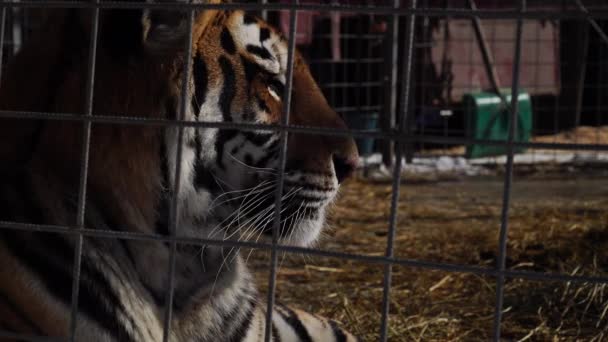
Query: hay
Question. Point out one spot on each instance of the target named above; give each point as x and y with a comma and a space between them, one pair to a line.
556, 225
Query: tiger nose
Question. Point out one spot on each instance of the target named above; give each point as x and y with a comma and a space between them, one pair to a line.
344, 154
344, 166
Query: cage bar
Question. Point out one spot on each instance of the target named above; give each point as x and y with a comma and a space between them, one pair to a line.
281, 175
508, 178
84, 159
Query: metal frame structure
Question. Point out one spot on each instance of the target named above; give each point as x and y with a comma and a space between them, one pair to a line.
398, 134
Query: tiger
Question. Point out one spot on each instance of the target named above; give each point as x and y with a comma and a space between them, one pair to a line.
236, 73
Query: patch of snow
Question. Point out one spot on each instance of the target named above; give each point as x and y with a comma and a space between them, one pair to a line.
479, 166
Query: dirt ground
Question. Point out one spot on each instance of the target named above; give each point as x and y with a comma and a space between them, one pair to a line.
557, 223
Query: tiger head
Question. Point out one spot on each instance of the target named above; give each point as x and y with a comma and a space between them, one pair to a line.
239, 75
228, 177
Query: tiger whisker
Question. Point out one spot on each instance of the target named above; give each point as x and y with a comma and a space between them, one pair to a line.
219, 225
262, 187
231, 216
284, 197
244, 211
224, 258
257, 169
259, 235
298, 213
266, 214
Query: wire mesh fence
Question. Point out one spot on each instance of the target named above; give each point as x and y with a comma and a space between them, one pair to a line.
400, 71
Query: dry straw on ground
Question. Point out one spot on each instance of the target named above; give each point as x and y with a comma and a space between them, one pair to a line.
557, 224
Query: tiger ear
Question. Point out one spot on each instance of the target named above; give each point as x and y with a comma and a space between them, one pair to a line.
164, 31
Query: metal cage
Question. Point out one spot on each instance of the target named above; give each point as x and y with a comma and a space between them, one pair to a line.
386, 72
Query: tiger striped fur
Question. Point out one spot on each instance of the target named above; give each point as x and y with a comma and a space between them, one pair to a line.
227, 183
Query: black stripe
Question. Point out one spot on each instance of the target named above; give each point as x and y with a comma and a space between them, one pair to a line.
271, 154
338, 333
203, 179
275, 334
251, 69
290, 317
97, 274
258, 139
241, 331
227, 41
262, 104
159, 299
201, 84
249, 19
259, 51
202, 176
94, 289
264, 34
229, 88
277, 86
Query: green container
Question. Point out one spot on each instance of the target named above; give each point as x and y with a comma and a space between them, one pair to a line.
487, 118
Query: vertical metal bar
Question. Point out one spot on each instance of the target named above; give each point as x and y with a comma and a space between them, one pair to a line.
599, 94
488, 61
358, 64
409, 117
408, 50
264, 11
2, 31
580, 84
84, 165
502, 253
281, 173
424, 57
557, 101
345, 59
16, 32
537, 84
388, 120
174, 212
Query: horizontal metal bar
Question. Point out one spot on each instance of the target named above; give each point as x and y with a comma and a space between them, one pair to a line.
358, 109
346, 61
351, 84
380, 135
352, 36
371, 259
328, 7
26, 337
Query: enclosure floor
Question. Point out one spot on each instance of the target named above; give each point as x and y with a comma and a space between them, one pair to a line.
558, 224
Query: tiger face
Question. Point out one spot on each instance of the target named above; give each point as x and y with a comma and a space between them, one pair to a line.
239, 75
